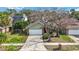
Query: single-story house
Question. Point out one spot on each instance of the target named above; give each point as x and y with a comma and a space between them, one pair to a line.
35, 28
71, 25
17, 17
73, 30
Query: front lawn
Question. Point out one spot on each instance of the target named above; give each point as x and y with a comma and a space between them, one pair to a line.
14, 38
62, 39
66, 38
63, 48
11, 38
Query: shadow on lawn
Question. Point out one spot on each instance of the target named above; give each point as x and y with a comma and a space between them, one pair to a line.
58, 48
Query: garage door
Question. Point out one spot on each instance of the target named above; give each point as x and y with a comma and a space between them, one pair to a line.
35, 31
73, 32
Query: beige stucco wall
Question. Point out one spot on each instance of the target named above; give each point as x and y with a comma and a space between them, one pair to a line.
36, 26
3, 30
7, 29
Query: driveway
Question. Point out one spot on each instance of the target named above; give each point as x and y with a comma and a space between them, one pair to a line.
34, 43
75, 38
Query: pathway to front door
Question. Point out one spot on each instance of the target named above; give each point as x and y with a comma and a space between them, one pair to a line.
34, 43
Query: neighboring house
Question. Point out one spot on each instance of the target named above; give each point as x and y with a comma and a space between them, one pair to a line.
73, 30
18, 17
71, 25
35, 28
7, 29
2, 29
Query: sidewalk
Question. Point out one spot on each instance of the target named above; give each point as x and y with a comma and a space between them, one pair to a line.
38, 43
61, 43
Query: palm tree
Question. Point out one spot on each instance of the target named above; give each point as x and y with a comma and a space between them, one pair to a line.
5, 21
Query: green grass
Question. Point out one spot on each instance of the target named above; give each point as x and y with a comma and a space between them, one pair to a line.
57, 39
62, 39
15, 38
66, 38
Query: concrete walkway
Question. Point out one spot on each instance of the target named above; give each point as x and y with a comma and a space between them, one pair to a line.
21, 44
34, 43
61, 43
75, 39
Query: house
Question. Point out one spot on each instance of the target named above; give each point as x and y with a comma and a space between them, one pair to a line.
71, 25
2, 29
73, 30
17, 17
35, 28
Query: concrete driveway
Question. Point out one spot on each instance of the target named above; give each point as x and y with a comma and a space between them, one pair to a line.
34, 43
75, 38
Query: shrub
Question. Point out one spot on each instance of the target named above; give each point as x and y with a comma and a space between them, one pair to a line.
45, 36
53, 34
19, 26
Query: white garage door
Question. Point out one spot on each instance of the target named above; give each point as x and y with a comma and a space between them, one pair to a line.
73, 32
35, 31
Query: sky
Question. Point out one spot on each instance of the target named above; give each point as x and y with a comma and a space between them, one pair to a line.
38, 8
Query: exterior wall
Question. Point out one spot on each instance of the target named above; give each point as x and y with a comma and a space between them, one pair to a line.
0, 30
7, 29
3, 30
36, 26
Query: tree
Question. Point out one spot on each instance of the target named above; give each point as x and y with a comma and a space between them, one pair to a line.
20, 25
10, 11
50, 19
27, 12
74, 14
4, 20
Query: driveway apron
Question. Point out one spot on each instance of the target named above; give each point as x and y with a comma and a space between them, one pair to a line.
34, 43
